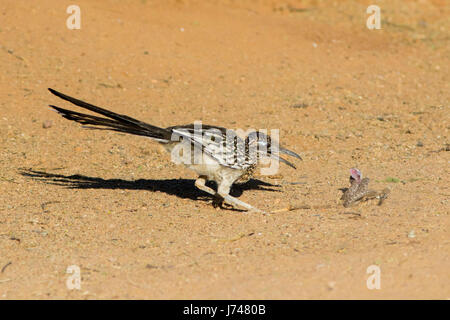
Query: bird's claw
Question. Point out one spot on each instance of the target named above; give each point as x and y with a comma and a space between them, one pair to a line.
219, 203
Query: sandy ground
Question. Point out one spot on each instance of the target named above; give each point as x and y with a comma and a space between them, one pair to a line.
114, 205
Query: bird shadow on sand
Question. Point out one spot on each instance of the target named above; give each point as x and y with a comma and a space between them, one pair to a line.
182, 188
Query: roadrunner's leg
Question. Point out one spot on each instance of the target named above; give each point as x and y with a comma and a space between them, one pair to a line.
201, 184
223, 192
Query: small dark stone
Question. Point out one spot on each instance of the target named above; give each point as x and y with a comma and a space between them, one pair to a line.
299, 106
422, 23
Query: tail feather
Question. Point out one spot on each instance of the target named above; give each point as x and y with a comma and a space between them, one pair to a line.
114, 121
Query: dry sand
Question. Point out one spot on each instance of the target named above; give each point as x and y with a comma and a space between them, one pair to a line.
342, 96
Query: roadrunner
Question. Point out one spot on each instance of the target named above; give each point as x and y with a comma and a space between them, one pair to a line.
359, 190
219, 154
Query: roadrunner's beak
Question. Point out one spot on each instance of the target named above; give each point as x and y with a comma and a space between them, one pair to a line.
290, 153
278, 158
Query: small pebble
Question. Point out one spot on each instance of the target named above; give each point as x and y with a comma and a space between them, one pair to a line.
331, 285
411, 234
47, 124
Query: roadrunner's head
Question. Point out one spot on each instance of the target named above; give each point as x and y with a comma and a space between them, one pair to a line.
265, 146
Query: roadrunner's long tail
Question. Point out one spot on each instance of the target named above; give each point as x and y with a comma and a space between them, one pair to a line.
114, 121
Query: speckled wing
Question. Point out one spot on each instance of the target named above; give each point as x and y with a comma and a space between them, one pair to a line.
219, 143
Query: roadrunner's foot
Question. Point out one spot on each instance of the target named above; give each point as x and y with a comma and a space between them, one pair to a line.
221, 199
219, 202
